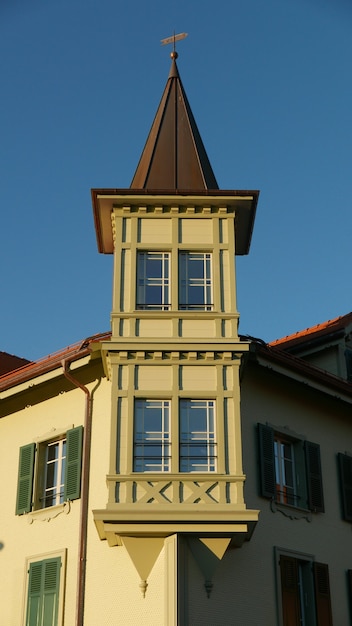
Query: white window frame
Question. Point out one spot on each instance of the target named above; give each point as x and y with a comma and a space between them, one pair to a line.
146, 282
145, 438
285, 471
53, 490
189, 285
190, 438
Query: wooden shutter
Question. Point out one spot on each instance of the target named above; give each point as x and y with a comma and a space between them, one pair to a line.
43, 592
25, 479
51, 582
322, 594
314, 477
267, 461
345, 466
290, 591
74, 438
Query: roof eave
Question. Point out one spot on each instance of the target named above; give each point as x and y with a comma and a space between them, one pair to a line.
243, 202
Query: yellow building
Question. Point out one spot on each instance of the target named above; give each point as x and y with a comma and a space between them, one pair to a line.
125, 497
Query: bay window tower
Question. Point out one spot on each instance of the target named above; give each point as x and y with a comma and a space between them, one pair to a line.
174, 357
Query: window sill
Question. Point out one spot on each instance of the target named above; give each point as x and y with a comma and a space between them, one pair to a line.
292, 512
50, 513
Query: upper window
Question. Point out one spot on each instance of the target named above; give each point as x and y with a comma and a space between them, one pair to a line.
195, 281
290, 470
153, 283
197, 436
54, 463
152, 436
345, 466
50, 472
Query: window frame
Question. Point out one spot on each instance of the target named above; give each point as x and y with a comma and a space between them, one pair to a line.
187, 283
206, 438
309, 485
144, 282
32, 469
161, 439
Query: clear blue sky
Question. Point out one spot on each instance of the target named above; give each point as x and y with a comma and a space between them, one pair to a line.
269, 83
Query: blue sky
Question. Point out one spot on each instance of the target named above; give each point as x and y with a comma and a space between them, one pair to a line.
269, 83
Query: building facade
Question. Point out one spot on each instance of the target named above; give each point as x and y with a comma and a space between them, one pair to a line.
171, 471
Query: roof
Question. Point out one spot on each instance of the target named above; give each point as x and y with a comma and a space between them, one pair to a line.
319, 331
174, 156
50, 362
10, 362
289, 365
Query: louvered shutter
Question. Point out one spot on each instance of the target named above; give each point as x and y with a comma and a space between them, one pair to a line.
51, 582
25, 479
314, 477
74, 438
289, 591
322, 594
43, 592
267, 461
345, 465
34, 594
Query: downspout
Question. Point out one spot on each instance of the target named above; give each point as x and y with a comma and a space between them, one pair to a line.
87, 436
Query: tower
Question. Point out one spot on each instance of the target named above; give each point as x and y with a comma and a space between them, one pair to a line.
175, 479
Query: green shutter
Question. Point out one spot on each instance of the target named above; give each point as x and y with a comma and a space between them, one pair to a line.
34, 594
51, 582
74, 438
322, 594
345, 465
25, 479
43, 592
314, 477
267, 461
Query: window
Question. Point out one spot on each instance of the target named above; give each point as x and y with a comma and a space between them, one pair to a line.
45, 583
195, 281
50, 472
285, 471
304, 591
197, 436
152, 436
153, 286
290, 470
345, 467
43, 592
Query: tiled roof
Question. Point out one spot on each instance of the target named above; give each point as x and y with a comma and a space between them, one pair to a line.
10, 362
314, 332
50, 362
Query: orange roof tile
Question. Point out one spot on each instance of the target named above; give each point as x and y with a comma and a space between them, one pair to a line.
50, 362
313, 332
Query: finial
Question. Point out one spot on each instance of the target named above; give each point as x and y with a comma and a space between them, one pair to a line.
173, 40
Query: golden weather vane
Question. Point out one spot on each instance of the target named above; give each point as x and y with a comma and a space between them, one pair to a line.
173, 40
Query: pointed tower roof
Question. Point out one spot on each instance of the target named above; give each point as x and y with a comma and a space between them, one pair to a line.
174, 157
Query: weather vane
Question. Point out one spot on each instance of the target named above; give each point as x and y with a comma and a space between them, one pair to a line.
173, 40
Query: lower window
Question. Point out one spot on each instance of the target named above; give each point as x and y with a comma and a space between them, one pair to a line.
151, 436
304, 591
45, 590
197, 436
